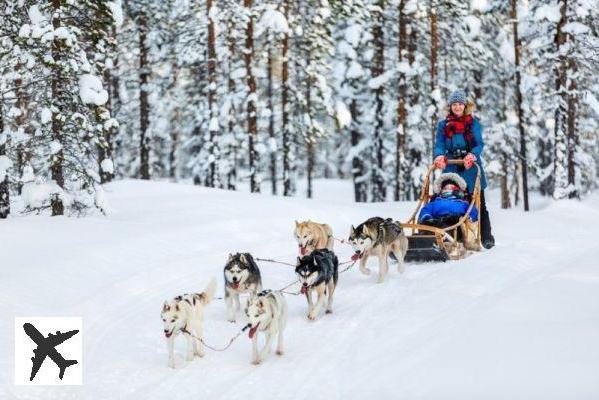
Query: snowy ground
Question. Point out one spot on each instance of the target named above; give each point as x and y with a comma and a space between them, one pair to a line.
518, 322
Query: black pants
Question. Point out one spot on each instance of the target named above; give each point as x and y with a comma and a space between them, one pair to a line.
485, 222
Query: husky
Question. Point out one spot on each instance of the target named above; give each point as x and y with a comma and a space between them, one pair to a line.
318, 272
185, 314
267, 312
312, 235
380, 238
241, 276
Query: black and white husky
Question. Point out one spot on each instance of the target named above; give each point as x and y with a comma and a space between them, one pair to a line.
266, 312
241, 276
318, 272
185, 314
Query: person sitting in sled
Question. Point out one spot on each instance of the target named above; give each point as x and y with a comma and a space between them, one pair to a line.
449, 202
459, 136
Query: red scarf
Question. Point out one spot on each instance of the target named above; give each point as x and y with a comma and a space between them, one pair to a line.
461, 125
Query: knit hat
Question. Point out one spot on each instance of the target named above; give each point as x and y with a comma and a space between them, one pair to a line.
457, 96
448, 177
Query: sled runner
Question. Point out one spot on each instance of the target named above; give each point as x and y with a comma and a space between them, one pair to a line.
448, 238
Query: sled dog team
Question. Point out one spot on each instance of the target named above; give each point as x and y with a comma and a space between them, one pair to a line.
317, 270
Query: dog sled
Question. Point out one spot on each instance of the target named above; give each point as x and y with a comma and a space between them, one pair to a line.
453, 240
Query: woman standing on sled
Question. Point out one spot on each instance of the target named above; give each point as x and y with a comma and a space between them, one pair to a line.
459, 136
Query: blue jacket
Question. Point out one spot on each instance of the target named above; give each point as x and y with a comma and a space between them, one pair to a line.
441, 207
446, 147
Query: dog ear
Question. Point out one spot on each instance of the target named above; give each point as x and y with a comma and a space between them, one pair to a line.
177, 307
165, 306
299, 260
230, 258
296, 223
260, 304
243, 259
315, 263
351, 230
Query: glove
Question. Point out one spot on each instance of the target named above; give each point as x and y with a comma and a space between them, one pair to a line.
440, 162
469, 160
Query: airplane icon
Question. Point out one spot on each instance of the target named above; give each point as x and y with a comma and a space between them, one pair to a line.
46, 347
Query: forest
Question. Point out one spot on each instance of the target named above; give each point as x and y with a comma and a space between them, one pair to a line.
258, 96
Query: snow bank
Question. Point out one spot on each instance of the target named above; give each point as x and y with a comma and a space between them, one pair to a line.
38, 195
517, 322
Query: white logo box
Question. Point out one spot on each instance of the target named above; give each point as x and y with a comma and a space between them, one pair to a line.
70, 349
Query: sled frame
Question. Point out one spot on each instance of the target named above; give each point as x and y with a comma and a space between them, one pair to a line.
446, 238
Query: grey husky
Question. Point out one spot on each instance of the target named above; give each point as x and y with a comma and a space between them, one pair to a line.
380, 238
241, 276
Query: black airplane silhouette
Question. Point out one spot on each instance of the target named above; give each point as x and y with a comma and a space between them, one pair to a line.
46, 347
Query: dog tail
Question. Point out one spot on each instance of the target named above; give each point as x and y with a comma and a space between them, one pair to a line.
209, 291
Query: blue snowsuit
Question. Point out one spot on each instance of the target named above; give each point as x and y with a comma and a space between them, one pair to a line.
447, 147
446, 207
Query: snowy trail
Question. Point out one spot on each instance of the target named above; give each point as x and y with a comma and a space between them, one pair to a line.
520, 321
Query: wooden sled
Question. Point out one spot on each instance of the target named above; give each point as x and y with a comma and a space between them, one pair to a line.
430, 243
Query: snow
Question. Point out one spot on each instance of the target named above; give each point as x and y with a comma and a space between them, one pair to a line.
342, 114
91, 90
213, 126
45, 115
25, 31
518, 321
117, 12
592, 101
37, 195
107, 166
474, 24
551, 12
272, 21
378, 81
576, 28
353, 34
36, 17
354, 70
5, 165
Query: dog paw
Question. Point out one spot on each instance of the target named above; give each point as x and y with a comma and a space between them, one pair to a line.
256, 361
199, 354
380, 280
365, 271
401, 268
171, 364
231, 320
312, 316
329, 311
280, 352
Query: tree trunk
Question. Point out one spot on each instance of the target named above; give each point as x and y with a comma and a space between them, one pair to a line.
505, 190
561, 120
523, 159
271, 125
287, 189
251, 101
309, 135
400, 181
358, 169
4, 189
573, 140
144, 105
106, 148
232, 174
378, 68
212, 113
56, 165
434, 51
